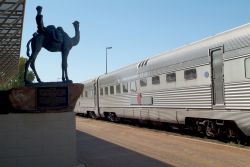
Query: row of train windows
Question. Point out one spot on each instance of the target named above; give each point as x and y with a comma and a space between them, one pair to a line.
189, 74
117, 87
171, 77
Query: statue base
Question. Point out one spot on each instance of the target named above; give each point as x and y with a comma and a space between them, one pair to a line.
45, 97
43, 84
38, 125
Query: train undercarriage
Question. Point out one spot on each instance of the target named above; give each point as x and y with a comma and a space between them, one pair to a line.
223, 130
218, 129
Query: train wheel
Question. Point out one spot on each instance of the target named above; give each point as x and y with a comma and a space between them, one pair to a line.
92, 114
112, 117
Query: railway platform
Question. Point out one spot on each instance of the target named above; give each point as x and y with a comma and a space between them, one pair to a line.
106, 144
95, 152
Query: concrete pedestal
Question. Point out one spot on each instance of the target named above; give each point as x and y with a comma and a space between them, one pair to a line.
37, 140
33, 136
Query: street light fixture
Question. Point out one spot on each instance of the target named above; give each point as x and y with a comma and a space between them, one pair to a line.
107, 58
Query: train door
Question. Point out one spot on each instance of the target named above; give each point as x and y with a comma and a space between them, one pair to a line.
95, 95
217, 71
96, 98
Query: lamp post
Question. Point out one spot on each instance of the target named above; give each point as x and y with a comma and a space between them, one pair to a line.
107, 58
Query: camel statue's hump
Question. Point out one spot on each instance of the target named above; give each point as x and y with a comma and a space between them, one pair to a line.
50, 27
55, 33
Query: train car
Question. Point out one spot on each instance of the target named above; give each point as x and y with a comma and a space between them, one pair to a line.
204, 86
87, 103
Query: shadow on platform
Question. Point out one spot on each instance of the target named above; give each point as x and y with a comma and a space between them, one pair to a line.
95, 152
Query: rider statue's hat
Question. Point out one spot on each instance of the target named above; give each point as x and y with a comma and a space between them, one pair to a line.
38, 8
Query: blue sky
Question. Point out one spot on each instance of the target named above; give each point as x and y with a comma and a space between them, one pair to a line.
136, 29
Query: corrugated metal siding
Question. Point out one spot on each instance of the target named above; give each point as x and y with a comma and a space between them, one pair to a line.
237, 95
121, 100
190, 97
86, 102
234, 53
144, 113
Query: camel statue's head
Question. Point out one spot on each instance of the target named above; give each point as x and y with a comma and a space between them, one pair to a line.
76, 23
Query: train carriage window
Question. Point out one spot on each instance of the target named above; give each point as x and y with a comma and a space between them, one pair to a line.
118, 89
111, 90
247, 67
106, 90
125, 87
101, 91
190, 74
133, 86
143, 82
171, 77
91, 93
155, 80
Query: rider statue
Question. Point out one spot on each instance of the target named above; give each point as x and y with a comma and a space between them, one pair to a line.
51, 30
39, 20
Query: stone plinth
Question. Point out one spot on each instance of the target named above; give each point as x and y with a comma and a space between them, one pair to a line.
46, 98
37, 126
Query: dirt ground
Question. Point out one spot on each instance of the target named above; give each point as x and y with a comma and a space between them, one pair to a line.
101, 143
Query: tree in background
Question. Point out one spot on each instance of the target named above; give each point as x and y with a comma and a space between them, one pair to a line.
18, 80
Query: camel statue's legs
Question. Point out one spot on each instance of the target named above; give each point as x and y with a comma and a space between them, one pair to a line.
25, 72
32, 63
65, 54
36, 46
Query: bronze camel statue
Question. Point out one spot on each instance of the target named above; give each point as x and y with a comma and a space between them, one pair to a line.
54, 40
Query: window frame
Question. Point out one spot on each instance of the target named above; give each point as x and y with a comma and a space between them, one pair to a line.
123, 87
91, 93
106, 90
101, 91
246, 68
187, 77
154, 81
135, 87
118, 92
171, 81
142, 81
111, 92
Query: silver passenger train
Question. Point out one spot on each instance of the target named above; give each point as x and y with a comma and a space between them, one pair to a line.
204, 86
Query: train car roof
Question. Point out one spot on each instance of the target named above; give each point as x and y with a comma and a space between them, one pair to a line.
232, 39
125, 73
89, 81
186, 55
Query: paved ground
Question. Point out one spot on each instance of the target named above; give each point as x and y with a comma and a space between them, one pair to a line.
103, 144
94, 152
